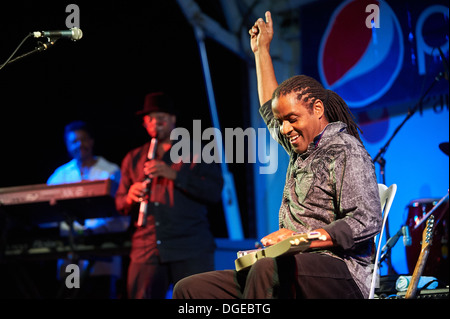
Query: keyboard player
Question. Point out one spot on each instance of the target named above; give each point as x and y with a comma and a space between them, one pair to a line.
84, 165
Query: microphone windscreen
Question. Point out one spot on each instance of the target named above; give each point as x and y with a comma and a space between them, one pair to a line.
406, 236
77, 34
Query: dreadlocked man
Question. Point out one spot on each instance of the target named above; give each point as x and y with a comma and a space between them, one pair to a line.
309, 91
330, 189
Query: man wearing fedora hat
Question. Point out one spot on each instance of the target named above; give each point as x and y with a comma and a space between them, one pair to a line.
174, 240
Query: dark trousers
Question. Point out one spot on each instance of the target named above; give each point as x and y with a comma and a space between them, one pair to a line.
152, 279
301, 276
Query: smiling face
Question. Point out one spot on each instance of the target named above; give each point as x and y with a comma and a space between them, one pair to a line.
299, 123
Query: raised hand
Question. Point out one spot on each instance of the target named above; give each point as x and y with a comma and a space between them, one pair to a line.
261, 34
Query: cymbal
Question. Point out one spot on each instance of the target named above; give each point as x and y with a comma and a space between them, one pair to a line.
444, 147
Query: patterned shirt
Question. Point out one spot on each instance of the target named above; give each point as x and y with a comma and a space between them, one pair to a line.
332, 185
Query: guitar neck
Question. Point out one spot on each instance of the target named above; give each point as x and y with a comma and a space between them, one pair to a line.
420, 265
412, 287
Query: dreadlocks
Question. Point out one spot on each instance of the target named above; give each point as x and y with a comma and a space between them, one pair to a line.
309, 90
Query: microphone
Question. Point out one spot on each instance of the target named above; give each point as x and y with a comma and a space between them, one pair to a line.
142, 217
73, 34
407, 241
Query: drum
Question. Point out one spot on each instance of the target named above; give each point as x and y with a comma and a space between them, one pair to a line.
437, 262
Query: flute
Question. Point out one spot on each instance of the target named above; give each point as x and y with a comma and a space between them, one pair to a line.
142, 217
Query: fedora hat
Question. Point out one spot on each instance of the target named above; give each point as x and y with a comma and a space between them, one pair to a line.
157, 102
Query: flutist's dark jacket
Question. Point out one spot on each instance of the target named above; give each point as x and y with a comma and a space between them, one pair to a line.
177, 224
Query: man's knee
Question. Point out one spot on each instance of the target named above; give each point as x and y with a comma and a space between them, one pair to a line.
263, 266
181, 289
219, 284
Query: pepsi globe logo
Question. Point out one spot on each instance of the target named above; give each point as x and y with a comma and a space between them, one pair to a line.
358, 62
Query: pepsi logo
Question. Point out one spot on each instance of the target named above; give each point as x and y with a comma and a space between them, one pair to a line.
361, 63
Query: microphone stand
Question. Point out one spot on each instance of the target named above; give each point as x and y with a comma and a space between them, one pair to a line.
40, 47
382, 161
410, 114
391, 243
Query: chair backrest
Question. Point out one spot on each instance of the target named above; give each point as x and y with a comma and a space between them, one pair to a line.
386, 198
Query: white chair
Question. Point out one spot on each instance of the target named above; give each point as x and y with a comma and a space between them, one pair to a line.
386, 197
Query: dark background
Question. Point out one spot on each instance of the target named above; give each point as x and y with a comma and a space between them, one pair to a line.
127, 50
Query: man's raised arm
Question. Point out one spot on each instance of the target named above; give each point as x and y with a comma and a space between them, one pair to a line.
261, 35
